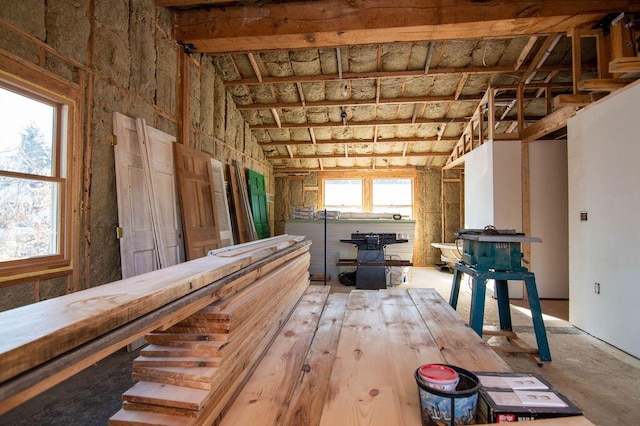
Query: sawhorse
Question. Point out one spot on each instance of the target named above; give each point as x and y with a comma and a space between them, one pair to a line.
478, 291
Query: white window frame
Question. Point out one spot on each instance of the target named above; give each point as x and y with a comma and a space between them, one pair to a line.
34, 82
367, 185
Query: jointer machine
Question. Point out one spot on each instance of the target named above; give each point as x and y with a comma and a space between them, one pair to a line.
371, 262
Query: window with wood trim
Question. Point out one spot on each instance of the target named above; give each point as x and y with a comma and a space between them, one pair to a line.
379, 192
36, 186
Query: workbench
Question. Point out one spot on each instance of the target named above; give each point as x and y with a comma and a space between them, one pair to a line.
356, 366
352, 361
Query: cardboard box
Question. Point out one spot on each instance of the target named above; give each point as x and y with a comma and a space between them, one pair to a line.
517, 397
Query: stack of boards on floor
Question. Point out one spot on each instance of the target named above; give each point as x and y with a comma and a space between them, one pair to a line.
191, 370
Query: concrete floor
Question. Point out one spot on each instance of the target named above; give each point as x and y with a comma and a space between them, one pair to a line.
602, 380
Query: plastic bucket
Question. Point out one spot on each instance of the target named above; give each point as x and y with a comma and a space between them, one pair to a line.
439, 376
449, 407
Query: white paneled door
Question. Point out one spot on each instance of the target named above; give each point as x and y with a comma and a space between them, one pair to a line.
148, 213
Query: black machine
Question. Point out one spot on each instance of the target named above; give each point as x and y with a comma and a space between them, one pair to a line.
371, 262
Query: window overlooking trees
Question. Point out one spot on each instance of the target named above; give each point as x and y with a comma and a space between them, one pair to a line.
30, 205
40, 175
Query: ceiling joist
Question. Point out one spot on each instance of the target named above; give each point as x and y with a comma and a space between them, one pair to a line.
332, 23
322, 83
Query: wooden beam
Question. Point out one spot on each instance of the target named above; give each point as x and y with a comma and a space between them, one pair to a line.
576, 59
185, 86
549, 124
352, 141
491, 94
300, 93
520, 105
603, 53
96, 333
625, 64
525, 52
604, 84
183, 3
383, 74
254, 65
358, 123
581, 100
290, 152
621, 43
427, 63
276, 117
340, 169
337, 23
352, 155
383, 101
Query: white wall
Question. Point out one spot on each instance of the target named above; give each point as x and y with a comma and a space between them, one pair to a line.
548, 212
478, 187
492, 192
604, 180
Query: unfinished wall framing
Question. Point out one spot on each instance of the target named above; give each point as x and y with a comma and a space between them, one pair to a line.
123, 58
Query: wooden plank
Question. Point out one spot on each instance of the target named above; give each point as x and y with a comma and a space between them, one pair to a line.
624, 65
604, 84
576, 59
178, 412
250, 327
263, 243
264, 398
134, 417
304, 25
362, 384
562, 101
236, 359
241, 372
307, 401
459, 344
621, 43
552, 122
33, 334
166, 395
412, 346
30, 383
234, 366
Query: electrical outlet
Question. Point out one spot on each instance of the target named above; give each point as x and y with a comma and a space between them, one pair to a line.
596, 288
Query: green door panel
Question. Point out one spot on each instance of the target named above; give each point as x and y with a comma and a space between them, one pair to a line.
258, 200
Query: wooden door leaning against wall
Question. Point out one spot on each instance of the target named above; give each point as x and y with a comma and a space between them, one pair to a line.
258, 196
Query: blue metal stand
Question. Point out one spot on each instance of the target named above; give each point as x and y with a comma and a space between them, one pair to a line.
478, 291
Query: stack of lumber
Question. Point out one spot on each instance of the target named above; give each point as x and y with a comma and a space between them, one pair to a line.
46, 342
191, 370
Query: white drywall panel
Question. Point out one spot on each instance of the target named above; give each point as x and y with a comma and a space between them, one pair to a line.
492, 192
478, 187
549, 206
603, 152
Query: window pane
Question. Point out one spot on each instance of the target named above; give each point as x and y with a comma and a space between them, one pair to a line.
392, 196
344, 195
26, 134
28, 212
